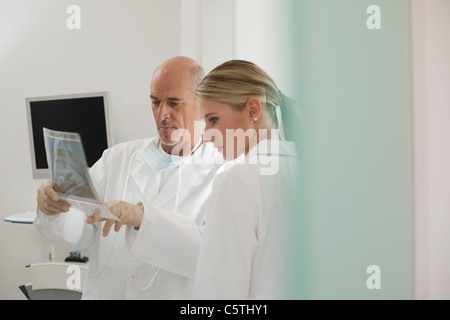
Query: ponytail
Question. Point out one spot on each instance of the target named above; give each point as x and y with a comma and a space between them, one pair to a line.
290, 116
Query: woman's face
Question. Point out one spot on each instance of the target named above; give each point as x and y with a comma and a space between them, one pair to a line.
229, 129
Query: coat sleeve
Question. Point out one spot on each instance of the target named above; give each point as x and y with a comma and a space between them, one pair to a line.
168, 240
229, 242
67, 230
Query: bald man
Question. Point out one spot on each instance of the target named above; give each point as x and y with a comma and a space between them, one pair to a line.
157, 187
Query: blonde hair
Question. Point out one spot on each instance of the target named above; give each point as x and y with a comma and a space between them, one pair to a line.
235, 81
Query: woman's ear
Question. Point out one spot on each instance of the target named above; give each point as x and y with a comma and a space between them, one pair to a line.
254, 109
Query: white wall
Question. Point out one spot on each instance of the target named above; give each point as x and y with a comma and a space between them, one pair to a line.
261, 37
431, 83
208, 31
119, 45
214, 31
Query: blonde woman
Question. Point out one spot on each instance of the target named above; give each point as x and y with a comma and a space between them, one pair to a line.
242, 254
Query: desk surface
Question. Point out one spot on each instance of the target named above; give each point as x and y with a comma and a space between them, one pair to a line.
23, 220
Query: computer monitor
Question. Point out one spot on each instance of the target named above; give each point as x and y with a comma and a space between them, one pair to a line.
86, 114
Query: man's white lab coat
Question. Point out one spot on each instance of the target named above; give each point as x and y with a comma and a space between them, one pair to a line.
245, 248
159, 260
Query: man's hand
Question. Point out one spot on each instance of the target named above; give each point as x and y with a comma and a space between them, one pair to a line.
48, 200
129, 214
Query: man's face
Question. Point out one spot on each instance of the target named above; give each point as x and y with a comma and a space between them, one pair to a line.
174, 107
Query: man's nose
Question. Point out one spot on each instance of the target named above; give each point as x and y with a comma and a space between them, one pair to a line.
163, 112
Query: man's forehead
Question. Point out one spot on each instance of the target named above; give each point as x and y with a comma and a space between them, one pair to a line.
166, 92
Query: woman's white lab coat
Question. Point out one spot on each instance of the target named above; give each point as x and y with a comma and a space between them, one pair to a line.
243, 254
158, 261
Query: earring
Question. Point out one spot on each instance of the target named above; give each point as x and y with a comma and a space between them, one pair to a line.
256, 119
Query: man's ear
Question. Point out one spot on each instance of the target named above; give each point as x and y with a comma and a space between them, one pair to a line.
254, 109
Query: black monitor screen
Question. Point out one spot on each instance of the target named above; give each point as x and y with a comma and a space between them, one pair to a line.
83, 115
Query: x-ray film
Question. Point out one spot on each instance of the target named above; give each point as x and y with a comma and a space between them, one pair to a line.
69, 171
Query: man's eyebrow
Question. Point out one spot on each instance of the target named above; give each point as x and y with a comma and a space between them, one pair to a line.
171, 99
